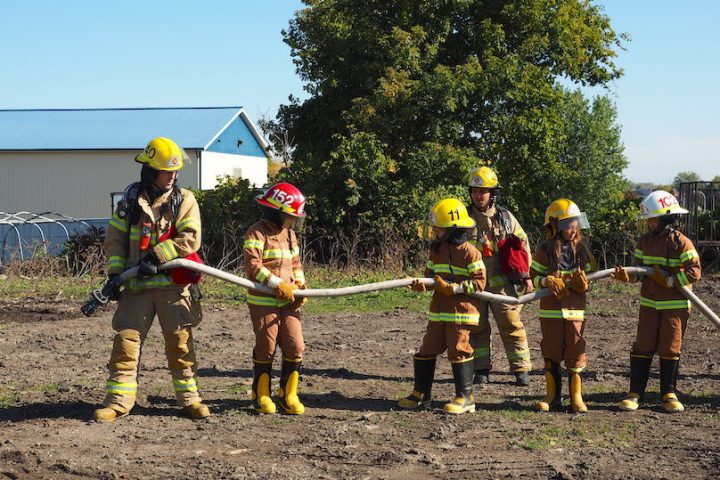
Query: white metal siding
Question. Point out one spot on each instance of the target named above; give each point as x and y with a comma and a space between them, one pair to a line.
219, 164
73, 183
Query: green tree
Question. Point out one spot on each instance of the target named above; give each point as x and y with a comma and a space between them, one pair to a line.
406, 96
685, 177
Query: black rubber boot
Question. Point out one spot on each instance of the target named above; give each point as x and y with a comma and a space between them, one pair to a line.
639, 374
522, 379
464, 402
482, 377
553, 388
424, 375
668, 379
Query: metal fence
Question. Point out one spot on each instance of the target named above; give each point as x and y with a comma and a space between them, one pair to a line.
702, 223
23, 235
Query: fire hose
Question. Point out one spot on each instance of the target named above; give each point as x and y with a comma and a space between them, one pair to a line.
101, 297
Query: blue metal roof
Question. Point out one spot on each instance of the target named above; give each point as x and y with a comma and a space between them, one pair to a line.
112, 129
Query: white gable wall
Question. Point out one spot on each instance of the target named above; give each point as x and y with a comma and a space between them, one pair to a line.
214, 165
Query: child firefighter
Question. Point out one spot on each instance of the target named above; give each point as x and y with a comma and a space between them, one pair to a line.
272, 257
664, 311
456, 266
560, 264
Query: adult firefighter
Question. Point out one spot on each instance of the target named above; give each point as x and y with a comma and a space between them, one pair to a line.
664, 311
494, 225
560, 264
272, 257
155, 222
453, 261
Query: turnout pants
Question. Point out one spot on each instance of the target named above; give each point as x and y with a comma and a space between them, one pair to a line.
660, 331
177, 313
441, 336
512, 333
275, 326
562, 340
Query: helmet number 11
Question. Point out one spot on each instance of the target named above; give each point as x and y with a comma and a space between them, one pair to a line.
454, 214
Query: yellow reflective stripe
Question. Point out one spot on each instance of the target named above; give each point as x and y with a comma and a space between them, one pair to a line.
154, 281
189, 385
481, 352
471, 318
451, 269
682, 278
273, 253
259, 244
665, 304
521, 355
587, 267
187, 223
121, 388
576, 369
119, 223
652, 260
476, 266
469, 286
299, 275
262, 274
498, 280
134, 233
538, 267
116, 261
565, 313
266, 301
687, 255
537, 280
429, 265
168, 249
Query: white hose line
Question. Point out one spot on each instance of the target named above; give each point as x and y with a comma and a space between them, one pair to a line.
405, 282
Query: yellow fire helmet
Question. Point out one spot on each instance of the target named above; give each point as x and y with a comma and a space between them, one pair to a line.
163, 154
483, 177
562, 212
450, 212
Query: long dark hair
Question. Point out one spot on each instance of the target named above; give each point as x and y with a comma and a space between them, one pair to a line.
553, 250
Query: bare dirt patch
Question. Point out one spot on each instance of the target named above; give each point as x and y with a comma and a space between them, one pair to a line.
53, 367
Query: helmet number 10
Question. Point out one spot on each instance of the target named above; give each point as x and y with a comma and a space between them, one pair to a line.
282, 197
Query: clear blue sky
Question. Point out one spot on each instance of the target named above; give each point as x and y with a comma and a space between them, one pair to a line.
82, 53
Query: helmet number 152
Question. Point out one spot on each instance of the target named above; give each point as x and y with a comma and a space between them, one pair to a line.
282, 197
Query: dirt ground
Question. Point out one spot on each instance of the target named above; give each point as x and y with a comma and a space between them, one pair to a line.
53, 368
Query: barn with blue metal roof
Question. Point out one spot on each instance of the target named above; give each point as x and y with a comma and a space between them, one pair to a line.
72, 161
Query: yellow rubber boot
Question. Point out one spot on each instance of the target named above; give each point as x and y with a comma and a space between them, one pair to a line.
464, 401
630, 403
289, 379
671, 404
424, 375
107, 415
197, 411
576, 401
553, 386
261, 388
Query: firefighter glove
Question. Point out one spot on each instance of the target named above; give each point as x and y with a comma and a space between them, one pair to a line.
148, 266
579, 281
658, 277
115, 293
444, 288
556, 286
621, 275
299, 301
285, 291
417, 286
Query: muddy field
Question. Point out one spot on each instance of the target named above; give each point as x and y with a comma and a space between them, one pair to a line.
52, 373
